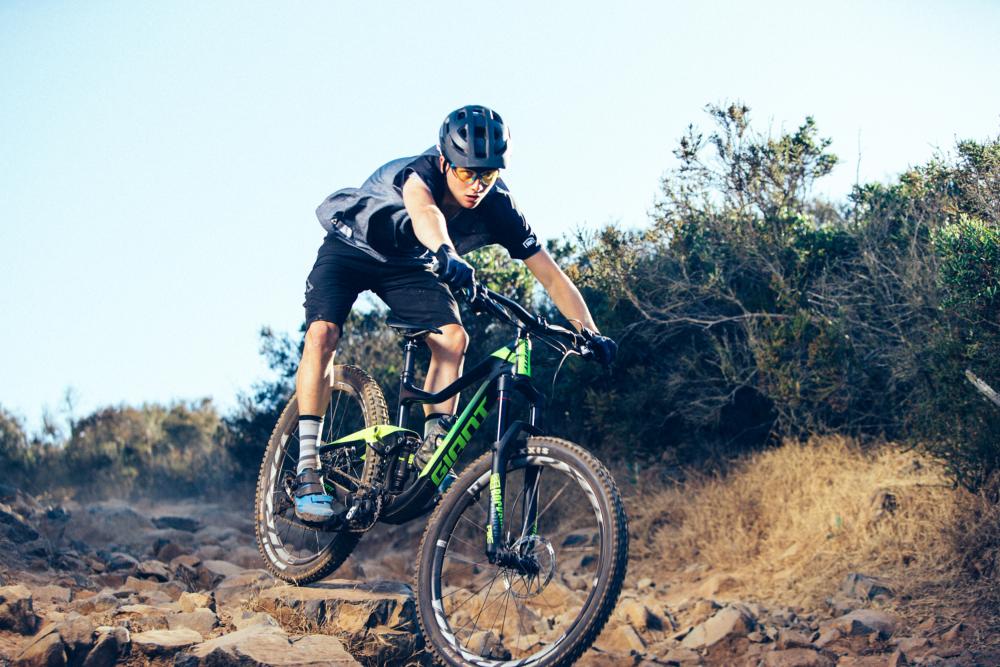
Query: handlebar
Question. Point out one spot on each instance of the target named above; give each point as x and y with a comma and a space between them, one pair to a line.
566, 341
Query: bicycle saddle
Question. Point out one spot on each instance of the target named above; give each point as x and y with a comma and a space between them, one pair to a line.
410, 330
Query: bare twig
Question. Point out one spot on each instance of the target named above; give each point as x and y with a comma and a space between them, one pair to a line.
983, 388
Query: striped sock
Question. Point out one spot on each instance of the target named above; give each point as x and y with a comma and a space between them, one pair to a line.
308, 435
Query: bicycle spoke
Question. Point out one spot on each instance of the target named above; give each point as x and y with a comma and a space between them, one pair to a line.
509, 516
465, 560
554, 498
471, 596
503, 623
475, 621
479, 527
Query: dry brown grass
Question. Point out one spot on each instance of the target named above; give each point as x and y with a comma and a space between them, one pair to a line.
791, 522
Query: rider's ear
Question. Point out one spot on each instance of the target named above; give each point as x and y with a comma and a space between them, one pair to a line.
441, 163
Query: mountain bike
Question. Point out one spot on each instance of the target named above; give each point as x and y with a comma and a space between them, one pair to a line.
523, 558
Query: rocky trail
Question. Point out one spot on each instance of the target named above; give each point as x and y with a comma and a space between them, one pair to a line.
182, 584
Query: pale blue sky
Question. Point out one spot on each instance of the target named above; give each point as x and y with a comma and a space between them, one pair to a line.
161, 161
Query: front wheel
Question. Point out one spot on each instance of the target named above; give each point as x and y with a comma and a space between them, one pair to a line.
551, 607
296, 551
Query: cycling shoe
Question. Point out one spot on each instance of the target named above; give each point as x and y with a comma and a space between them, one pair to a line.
312, 503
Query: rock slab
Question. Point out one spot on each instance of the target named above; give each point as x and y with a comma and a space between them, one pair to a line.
266, 645
733, 620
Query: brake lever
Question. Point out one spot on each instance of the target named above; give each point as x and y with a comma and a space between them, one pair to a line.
475, 297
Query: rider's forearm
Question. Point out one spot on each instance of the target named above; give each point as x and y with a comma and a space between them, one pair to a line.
430, 228
570, 303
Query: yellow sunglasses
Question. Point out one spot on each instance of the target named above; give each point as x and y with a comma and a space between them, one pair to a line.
470, 176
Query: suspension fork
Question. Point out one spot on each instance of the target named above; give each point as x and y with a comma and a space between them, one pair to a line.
496, 549
498, 475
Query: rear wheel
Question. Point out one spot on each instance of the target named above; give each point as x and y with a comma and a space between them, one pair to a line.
548, 611
293, 550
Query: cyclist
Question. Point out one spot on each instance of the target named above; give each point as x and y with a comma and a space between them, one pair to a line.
385, 237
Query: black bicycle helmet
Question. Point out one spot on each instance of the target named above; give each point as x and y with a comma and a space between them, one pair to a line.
474, 137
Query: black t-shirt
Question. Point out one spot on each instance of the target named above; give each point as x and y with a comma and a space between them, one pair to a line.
495, 220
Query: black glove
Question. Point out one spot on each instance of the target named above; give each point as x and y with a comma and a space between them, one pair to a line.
603, 347
452, 269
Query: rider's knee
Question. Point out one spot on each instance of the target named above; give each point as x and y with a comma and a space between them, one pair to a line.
454, 340
322, 336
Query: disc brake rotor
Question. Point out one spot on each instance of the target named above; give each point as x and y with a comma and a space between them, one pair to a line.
525, 586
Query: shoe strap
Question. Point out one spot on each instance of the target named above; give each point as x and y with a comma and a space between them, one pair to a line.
309, 484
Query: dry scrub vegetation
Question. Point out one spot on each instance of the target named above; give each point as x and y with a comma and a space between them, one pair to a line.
789, 523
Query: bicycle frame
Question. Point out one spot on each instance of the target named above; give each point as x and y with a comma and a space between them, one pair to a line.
505, 371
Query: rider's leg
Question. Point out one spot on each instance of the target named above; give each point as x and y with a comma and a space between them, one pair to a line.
447, 354
312, 385
416, 295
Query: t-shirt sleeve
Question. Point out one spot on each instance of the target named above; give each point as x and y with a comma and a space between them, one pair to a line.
424, 166
507, 224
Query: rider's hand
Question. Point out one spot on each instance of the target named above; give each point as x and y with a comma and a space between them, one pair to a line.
603, 347
452, 269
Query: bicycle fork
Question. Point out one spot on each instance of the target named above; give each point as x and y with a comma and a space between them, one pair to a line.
498, 550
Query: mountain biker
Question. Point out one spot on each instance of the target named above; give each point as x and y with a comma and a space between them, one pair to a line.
385, 237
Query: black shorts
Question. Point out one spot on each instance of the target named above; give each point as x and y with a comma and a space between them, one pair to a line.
342, 272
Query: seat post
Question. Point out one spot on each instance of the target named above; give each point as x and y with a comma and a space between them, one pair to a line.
410, 346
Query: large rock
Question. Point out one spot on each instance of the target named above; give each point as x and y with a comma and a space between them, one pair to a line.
121, 562
218, 570
346, 606
621, 639
639, 615
733, 620
141, 618
103, 601
222, 568
788, 638
77, 634
863, 622
67, 642
110, 645
797, 657
377, 617
862, 586
202, 621
232, 592
185, 568
14, 527
153, 569
163, 643
46, 650
192, 601
248, 618
16, 610
136, 584
52, 593
266, 645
